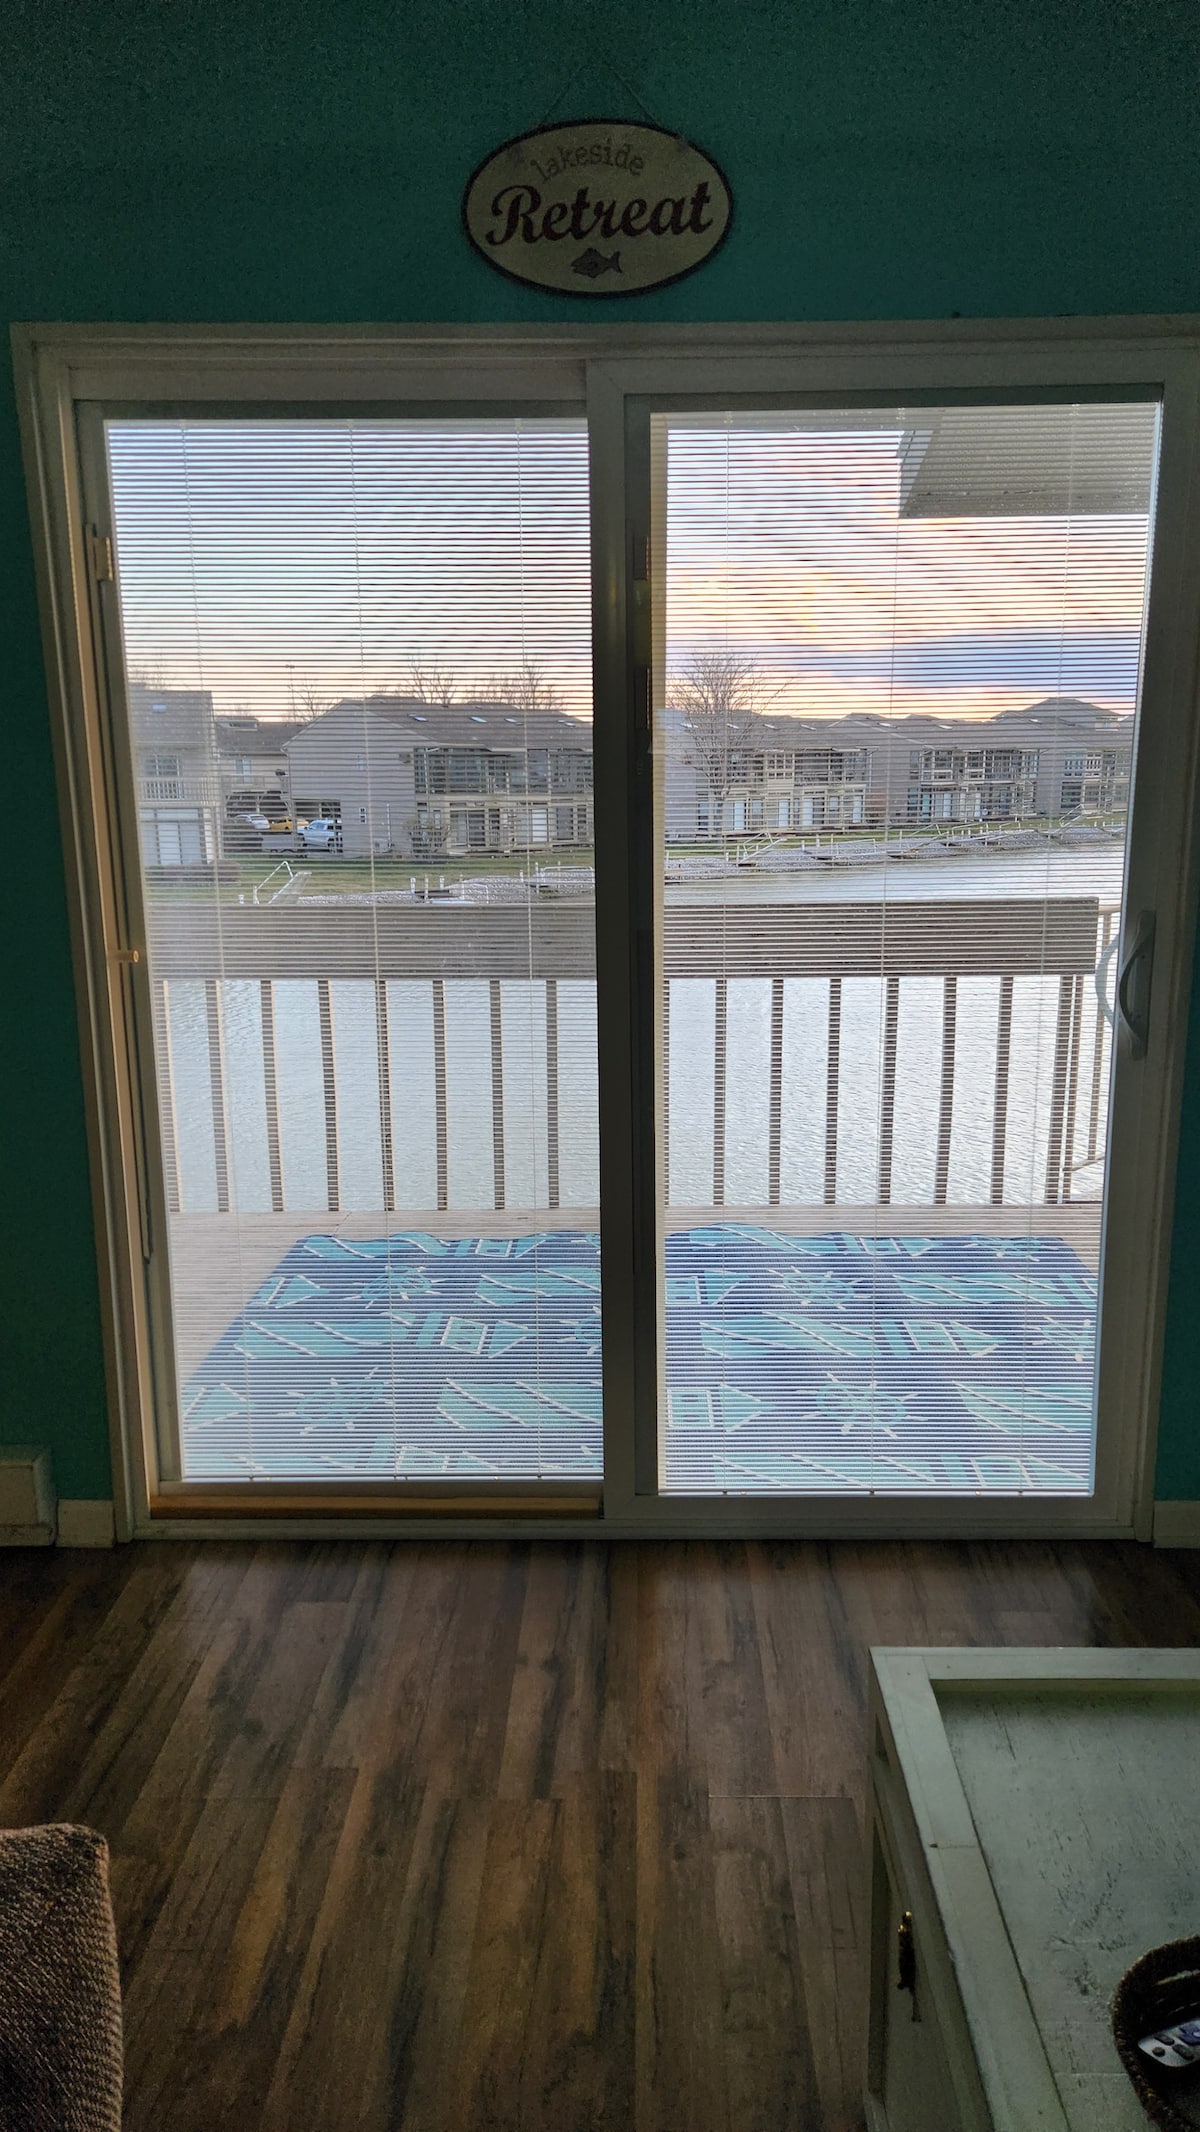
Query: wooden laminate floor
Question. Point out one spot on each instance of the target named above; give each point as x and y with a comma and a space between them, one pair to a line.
549, 1835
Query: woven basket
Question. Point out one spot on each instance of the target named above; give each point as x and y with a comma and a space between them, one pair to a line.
1160, 1988
60, 1993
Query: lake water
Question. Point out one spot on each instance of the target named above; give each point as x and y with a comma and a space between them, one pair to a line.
471, 1152
1097, 870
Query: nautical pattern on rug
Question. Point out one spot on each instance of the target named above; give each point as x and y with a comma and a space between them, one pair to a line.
799, 1364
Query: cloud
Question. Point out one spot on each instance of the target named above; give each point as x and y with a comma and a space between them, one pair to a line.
1042, 661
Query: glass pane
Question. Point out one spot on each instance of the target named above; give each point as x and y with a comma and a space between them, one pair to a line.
359, 698
897, 658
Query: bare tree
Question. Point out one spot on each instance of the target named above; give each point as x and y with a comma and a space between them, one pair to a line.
431, 682
526, 689
309, 702
721, 697
428, 839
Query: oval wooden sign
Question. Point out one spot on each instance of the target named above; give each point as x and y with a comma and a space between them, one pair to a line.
597, 208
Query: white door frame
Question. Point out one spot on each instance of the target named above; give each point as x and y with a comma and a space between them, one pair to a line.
61, 368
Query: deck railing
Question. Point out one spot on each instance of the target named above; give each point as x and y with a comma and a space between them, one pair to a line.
178, 791
500, 953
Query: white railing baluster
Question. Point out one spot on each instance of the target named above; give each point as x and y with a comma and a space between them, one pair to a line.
720, 1069
439, 1094
384, 1064
887, 1093
1000, 1101
329, 1082
166, 1095
271, 1094
1072, 1086
775, 1105
941, 1181
1058, 1094
552, 1176
832, 1076
497, 1060
216, 1076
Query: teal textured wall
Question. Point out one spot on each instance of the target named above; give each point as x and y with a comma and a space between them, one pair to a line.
889, 158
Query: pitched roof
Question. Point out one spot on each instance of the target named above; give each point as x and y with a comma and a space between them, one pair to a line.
478, 723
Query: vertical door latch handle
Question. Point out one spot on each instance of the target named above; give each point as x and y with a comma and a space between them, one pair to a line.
906, 1950
1133, 984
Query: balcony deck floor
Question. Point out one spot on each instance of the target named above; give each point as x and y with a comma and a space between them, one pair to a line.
808, 1350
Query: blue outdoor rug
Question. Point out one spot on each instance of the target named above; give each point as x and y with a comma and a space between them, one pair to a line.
822, 1363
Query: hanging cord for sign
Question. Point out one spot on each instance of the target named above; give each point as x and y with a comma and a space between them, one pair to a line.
617, 75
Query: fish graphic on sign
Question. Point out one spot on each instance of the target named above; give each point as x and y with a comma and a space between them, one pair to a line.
593, 263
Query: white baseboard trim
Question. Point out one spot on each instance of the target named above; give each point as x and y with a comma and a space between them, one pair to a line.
26, 1496
26, 1535
1177, 1524
85, 1524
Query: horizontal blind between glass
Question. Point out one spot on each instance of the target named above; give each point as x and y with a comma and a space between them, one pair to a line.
895, 694
358, 729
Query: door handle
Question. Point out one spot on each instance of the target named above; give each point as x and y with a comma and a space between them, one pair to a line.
1100, 981
1133, 984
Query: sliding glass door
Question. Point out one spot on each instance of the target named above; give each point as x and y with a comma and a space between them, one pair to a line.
354, 712
895, 661
728, 804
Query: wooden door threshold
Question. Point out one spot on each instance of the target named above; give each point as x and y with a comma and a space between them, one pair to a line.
257, 1503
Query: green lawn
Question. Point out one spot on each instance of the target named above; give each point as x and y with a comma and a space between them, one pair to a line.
330, 875
350, 876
